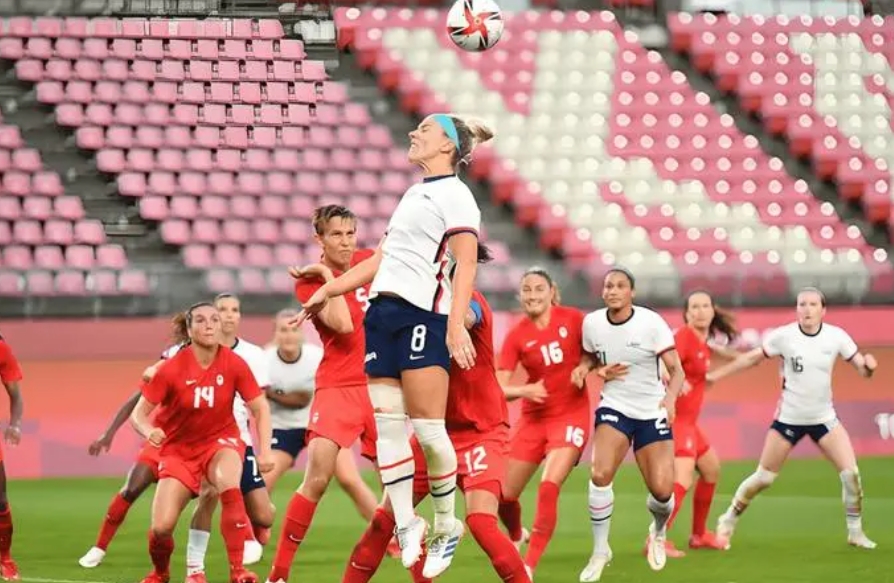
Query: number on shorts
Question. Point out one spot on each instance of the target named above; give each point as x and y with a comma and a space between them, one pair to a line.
574, 436
661, 423
885, 422
475, 460
255, 473
203, 395
552, 353
417, 339
362, 298
797, 364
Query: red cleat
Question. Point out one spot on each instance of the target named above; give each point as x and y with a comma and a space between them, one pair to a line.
155, 577
708, 540
9, 571
393, 548
278, 575
243, 576
670, 549
197, 578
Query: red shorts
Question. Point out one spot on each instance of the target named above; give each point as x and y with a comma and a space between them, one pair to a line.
150, 455
481, 461
689, 440
534, 438
342, 415
190, 468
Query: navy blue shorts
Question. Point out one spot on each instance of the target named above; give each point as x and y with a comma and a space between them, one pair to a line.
795, 433
640, 432
290, 441
251, 474
401, 336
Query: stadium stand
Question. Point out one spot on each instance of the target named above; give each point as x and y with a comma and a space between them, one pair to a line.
617, 159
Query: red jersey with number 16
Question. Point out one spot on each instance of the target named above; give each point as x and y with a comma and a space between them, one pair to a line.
343, 354
475, 400
695, 355
548, 354
198, 402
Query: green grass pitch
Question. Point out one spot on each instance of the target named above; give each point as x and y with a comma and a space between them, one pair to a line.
793, 533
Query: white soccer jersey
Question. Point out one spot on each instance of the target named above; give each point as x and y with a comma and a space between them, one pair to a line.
416, 261
638, 342
256, 359
293, 377
806, 369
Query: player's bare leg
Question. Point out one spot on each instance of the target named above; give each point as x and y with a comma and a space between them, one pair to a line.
425, 396
656, 463
200, 534
773, 456
482, 505
261, 513
139, 478
282, 463
559, 463
609, 448
352, 483
518, 474
225, 473
708, 466
171, 497
9, 571
836, 446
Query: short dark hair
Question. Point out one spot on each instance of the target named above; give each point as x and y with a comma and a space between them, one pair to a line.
224, 296
817, 291
484, 253
541, 272
626, 272
196, 306
324, 214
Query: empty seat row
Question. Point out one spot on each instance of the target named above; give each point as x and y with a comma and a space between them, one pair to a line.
52, 232
39, 208
140, 28
22, 257
183, 114
68, 282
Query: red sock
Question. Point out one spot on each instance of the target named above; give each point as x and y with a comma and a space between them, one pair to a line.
370, 549
114, 517
544, 522
161, 547
261, 534
5, 533
679, 496
510, 514
233, 524
416, 569
503, 554
299, 515
701, 505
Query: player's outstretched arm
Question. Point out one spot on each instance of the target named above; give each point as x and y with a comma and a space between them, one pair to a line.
358, 276
260, 411
740, 363
295, 400
865, 364
124, 412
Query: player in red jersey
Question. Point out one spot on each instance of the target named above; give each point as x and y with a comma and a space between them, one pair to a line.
199, 438
546, 343
478, 425
10, 377
341, 411
704, 322
144, 471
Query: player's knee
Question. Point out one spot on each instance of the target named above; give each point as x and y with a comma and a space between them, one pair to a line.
764, 477
130, 492
314, 486
601, 476
163, 527
386, 399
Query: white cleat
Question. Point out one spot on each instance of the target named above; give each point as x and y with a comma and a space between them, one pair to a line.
726, 526
252, 552
858, 539
593, 571
530, 573
442, 549
656, 554
525, 537
410, 540
277, 581
93, 558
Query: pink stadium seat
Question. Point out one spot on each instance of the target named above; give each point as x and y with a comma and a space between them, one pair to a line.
102, 283
111, 257
132, 281
11, 284
70, 283
17, 257
39, 283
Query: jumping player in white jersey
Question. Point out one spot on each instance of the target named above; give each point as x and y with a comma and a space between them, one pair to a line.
808, 349
629, 342
416, 323
257, 500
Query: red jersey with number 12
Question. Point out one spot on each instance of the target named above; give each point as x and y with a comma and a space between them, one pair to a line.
475, 400
198, 402
695, 355
548, 354
343, 354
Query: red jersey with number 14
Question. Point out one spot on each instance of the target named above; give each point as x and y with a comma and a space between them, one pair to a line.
549, 354
475, 400
343, 354
198, 402
695, 355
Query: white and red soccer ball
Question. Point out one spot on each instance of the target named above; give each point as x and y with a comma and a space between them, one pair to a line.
475, 25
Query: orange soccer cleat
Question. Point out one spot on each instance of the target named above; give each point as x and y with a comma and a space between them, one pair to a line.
9, 571
243, 576
155, 577
197, 578
708, 540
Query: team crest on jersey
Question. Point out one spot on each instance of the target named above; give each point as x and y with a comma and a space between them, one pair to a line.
220, 380
563, 332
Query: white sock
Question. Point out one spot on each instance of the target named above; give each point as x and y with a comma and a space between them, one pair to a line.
753, 485
661, 511
852, 496
195, 551
602, 504
441, 460
396, 465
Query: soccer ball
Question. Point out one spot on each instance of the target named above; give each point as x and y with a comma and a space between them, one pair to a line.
475, 25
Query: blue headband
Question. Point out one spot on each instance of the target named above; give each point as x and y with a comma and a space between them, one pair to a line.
446, 123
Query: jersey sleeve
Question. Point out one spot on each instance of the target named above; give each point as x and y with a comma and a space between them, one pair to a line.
772, 343
10, 371
246, 385
304, 288
683, 342
475, 306
260, 368
156, 390
664, 336
462, 215
588, 334
509, 352
847, 348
